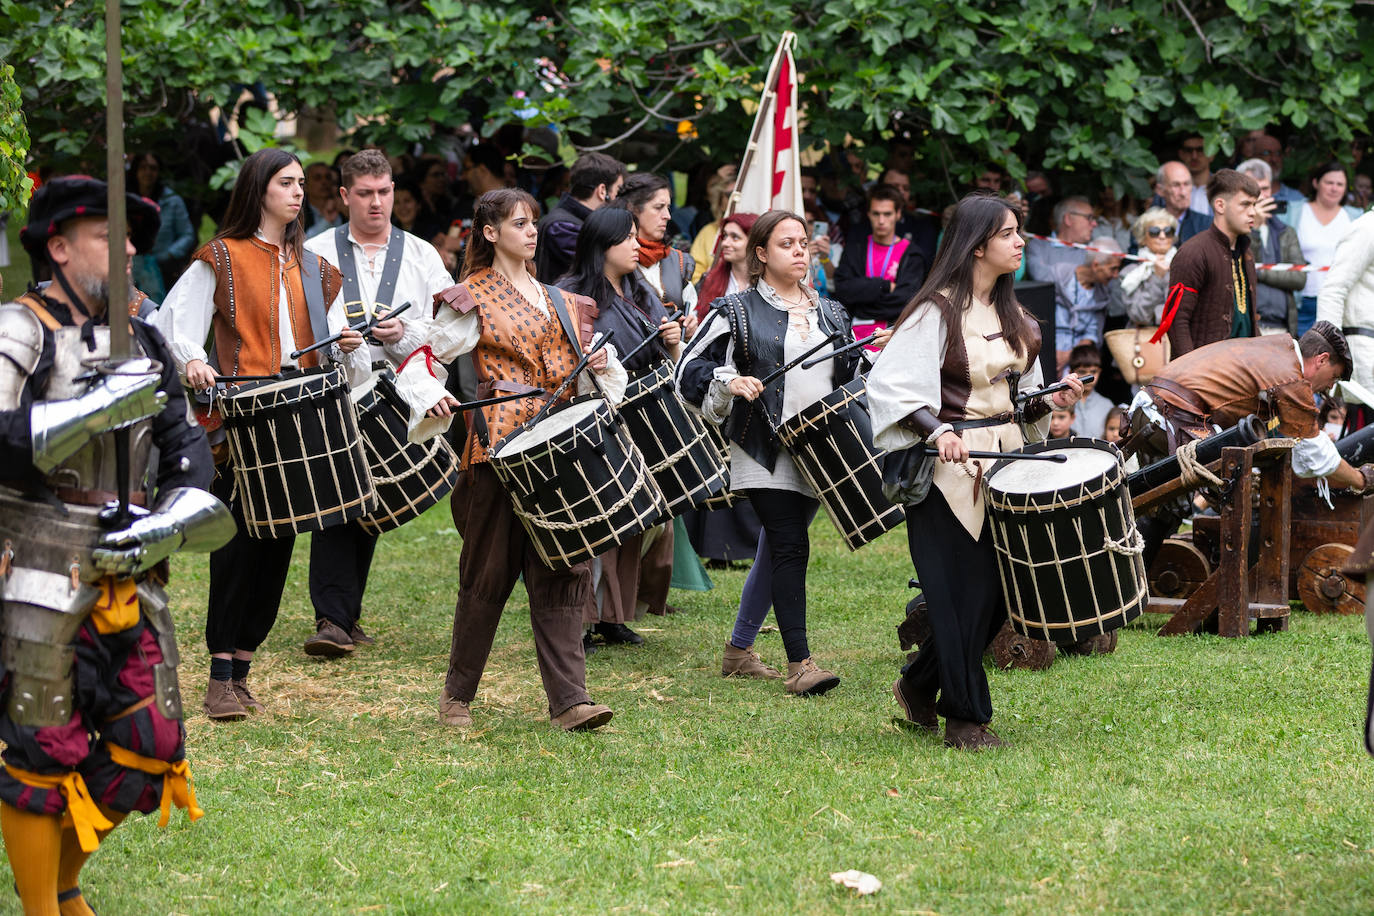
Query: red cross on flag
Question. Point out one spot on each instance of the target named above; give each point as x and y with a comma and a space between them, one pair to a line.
770, 174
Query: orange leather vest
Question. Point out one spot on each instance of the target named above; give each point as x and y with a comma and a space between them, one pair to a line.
246, 320
521, 345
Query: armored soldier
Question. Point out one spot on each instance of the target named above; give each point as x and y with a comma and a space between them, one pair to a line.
92, 717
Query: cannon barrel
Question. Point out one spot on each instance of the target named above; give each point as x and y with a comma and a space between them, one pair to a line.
1358, 447
1247, 432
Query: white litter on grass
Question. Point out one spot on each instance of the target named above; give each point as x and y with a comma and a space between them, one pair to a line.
860, 881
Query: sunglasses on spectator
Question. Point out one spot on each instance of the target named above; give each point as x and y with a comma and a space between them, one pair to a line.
1083, 215
1156, 231
1192, 149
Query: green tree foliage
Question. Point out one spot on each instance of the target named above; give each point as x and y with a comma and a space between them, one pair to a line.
14, 145
1090, 86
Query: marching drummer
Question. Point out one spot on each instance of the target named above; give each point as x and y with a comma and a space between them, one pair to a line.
227, 290
602, 270
523, 336
943, 381
382, 268
745, 337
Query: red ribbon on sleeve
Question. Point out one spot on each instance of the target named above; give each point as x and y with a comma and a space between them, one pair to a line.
1171, 304
428, 357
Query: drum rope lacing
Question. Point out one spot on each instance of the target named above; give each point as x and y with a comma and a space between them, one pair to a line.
546, 521
1131, 543
410, 470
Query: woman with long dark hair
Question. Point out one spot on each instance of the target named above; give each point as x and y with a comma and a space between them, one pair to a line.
666, 272
745, 337
228, 291
941, 381
521, 335
602, 269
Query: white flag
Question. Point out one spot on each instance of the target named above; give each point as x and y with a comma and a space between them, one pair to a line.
770, 175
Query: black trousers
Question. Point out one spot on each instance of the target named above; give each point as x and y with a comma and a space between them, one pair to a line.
340, 560
786, 516
247, 577
963, 592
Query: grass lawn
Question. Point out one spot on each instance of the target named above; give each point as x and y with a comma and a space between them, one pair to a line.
1189, 775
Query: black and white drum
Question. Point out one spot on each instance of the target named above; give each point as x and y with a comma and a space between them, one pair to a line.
682, 456
1067, 547
577, 482
831, 442
298, 457
409, 477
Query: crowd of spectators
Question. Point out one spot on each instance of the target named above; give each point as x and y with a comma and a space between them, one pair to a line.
1109, 257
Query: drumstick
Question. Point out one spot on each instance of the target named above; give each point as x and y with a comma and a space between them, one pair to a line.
783, 370
365, 329
486, 402
652, 334
1016, 456
221, 379
577, 370
1051, 389
845, 349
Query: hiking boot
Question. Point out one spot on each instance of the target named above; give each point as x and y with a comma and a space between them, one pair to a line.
617, 634
970, 736
805, 679
583, 717
245, 696
457, 713
329, 641
745, 663
221, 704
359, 637
919, 711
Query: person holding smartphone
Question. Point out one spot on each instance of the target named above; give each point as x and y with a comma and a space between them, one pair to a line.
1274, 242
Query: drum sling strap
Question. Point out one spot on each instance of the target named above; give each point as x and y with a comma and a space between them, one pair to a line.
348, 266
485, 389
314, 294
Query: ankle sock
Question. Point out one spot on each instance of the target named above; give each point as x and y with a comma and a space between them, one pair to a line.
221, 669
239, 668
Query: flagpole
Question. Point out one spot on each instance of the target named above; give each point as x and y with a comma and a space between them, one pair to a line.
751, 148
118, 307
117, 301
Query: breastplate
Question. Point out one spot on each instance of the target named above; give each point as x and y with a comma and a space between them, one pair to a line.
93, 467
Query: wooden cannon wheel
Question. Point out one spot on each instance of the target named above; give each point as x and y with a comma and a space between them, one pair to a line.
1012, 650
1323, 588
1179, 569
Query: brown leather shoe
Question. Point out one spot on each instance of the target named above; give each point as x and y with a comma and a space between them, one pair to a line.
970, 736
454, 712
245, 696
919, 711
221, 704
806, 679
329, 641
745, 663
359, 637
583, 717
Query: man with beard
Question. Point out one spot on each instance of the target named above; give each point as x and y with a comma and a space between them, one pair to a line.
383, 268
92, 721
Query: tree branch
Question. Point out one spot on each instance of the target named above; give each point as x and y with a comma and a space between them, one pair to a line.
1206, 42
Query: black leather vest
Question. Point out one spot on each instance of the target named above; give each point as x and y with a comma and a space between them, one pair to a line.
759, 330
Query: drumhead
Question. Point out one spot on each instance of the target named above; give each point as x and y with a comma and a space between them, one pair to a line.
366, 388
554, 423
1084, 463
263, 391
